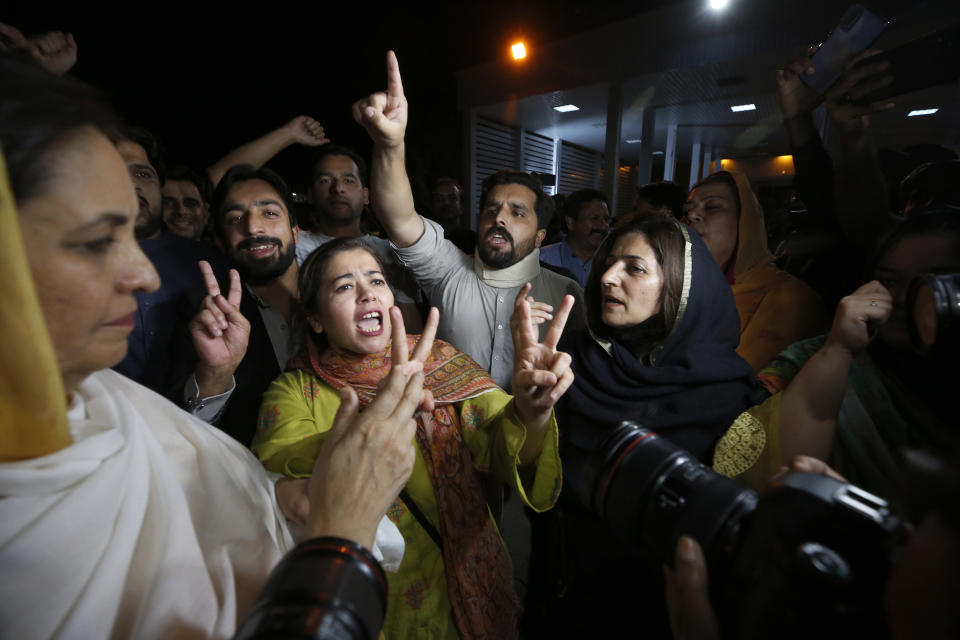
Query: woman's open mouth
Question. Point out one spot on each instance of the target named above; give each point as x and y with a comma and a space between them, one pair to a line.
371, 323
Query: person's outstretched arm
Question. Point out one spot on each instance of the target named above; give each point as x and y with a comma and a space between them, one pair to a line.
384, 116
862, 202
301, 130
55, 51
810, 404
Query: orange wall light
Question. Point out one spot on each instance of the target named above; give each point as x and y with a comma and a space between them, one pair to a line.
519, 51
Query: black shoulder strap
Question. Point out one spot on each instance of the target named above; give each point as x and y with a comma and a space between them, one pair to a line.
421, 518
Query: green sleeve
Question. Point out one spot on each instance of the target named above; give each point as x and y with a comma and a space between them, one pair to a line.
295, 416
749, 450
495, 435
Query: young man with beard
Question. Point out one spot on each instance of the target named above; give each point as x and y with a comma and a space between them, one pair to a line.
241, 342
587, 214
475, 294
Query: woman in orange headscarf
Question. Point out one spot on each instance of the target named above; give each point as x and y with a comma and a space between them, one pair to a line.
776, 309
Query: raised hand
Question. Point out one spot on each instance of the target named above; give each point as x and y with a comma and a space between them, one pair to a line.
220, 333
307, 131
858, 315
415, 361
845, 98
55, 51
796, 97
384, 114
540, 312
541, 374
367, 458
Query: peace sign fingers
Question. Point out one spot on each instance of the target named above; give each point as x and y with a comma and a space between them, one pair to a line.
521, 321
425, 345
210, 280
559, 322
398, 335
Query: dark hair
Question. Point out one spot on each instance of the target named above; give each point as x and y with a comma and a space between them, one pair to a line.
935, 219
576, 200
151, 147
243, 173
338, 150
721, 177
669, 245
199, 179
543, 205
310, 281
446, 180
932, 183
37, 110
666, 194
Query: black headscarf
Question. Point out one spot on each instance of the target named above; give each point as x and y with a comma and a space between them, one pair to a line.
690, 387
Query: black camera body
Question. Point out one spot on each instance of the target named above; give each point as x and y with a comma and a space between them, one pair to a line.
812, 554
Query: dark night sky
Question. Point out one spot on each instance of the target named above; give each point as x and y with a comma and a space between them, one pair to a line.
205, 81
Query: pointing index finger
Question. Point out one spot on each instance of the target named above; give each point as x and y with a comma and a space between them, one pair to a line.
394, 83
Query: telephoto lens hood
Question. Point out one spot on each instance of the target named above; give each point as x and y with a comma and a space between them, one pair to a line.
324, 589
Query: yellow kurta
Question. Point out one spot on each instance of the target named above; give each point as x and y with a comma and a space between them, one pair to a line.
297, 413
749, 450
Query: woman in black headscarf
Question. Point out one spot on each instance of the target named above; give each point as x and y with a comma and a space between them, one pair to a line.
660, 349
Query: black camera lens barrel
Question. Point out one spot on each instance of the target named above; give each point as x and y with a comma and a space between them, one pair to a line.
651, 492
325, 588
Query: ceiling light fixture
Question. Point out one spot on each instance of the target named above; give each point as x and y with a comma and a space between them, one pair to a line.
743, 107
564, 108
632, 141
923, 112
717, 5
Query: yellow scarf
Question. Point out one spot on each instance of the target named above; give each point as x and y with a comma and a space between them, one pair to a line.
33, 407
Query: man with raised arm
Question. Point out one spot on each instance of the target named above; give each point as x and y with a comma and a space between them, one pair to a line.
256, 153
474, 293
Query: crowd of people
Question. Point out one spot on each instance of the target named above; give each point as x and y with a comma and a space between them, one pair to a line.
202, 374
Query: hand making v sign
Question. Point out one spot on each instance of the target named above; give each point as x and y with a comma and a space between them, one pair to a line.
541, 374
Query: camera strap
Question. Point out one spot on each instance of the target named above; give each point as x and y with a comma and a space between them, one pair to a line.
421, 518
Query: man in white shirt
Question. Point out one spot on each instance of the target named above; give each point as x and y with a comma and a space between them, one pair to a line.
475, 294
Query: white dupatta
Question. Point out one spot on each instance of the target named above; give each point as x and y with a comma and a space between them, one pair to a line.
152, 524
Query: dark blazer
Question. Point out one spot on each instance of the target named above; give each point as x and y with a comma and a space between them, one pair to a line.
161, 314
254, 374
160, 349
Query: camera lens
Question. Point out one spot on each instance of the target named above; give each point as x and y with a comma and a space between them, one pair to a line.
933, 304
649, 491
327, 588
